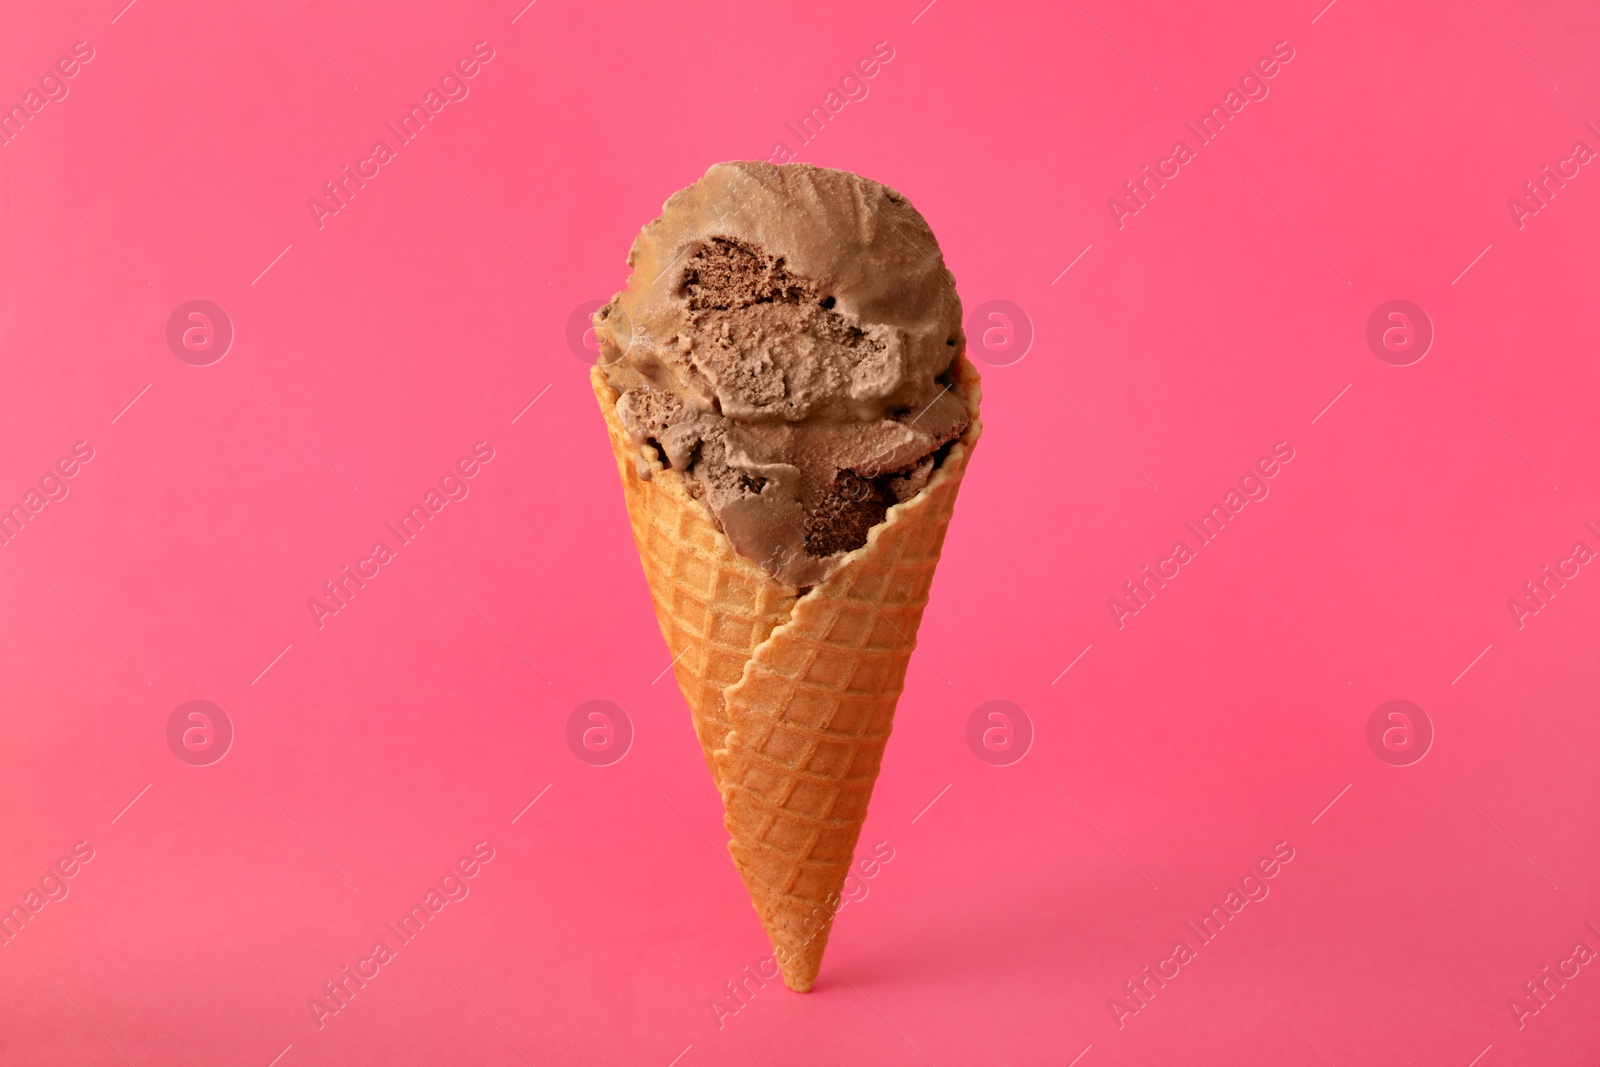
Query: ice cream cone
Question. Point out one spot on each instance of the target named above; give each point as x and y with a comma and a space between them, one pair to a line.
792, 692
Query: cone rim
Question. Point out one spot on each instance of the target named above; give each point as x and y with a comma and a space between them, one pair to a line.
969, 388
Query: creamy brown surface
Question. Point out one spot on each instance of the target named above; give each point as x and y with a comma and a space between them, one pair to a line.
784, 340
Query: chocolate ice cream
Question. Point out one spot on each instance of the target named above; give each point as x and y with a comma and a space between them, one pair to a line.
785, 340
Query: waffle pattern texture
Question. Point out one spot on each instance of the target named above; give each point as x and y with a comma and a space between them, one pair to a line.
792, 695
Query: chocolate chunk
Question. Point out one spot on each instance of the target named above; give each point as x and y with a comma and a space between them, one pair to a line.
726, 275
852, 506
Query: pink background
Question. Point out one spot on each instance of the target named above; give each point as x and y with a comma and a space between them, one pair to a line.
1223, 718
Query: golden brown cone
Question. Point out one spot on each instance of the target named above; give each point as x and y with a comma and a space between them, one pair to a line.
792, 696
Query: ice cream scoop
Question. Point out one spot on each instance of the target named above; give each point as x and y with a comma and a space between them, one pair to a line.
785, 340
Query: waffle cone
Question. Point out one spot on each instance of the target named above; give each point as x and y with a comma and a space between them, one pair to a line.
792, 695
